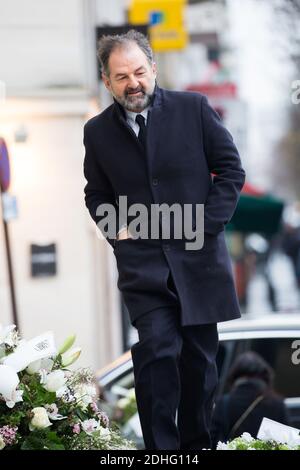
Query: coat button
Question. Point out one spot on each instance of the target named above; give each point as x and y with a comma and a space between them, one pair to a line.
155, 181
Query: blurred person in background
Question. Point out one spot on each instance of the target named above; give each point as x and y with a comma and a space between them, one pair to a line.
160, 146
291, 238
258, 254
251, 397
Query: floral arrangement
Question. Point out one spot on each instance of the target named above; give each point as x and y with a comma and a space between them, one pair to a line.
45, 405
247, 442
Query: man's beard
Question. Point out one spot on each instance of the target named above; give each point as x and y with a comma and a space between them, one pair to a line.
133, 102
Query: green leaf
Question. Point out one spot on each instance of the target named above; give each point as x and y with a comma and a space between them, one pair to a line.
33, 442
43, 440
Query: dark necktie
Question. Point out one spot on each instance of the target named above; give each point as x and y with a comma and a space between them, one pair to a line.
140, 120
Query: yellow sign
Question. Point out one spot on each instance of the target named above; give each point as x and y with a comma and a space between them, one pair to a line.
165, 18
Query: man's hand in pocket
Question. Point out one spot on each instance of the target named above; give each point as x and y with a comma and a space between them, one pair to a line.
123, 235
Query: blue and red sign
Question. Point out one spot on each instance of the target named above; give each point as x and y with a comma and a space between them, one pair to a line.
4, 166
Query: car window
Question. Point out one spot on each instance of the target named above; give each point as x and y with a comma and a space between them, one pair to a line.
226, 352
124, 381
278, 353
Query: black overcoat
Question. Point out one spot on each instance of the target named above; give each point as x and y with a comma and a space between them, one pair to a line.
186, 144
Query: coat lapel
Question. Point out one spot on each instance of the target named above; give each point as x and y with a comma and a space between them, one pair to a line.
155, 124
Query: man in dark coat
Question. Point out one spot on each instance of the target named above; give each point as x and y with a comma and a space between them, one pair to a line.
156, 146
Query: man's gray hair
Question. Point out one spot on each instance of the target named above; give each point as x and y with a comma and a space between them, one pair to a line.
108, 43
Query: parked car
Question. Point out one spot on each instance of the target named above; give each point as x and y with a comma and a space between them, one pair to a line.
273, 336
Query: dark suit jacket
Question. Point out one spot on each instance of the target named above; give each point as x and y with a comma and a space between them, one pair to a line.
186, 142
231, 407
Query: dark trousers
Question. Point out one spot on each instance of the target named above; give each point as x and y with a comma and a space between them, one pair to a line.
175, 380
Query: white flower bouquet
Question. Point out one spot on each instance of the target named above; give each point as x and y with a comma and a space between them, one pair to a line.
271, 436
46, 406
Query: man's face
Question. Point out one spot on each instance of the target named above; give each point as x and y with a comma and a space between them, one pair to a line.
131, 78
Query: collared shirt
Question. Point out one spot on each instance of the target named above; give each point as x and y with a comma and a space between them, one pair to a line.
130, 115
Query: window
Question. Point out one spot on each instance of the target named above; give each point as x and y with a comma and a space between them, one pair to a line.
278, 353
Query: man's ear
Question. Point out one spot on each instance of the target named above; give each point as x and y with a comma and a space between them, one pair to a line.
154, 68
106, 81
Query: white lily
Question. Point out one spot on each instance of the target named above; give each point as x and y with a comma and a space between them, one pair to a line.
70, 357
43, 366
47, 364
17, 396
18, 360
9, 381
67, 344
34, 367
5, 334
